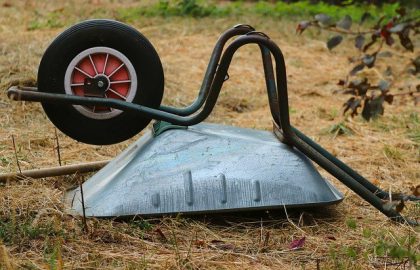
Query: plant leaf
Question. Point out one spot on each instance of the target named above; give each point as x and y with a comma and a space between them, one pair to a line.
369, 60
405, 39
334, 41
359, 41
352, 104
297, 244
373, 107
387, 36
302, 27
357, 68
397, 28
384, 86
365, 16
389, 98
323, 19
345, 22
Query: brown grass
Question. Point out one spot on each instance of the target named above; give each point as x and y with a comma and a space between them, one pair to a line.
38, 234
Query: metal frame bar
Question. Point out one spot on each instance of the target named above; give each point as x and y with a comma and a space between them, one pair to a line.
276, 82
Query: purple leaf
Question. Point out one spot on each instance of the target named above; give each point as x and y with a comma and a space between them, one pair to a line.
364, 17
297, 244
302, 26
359, 41
352, 104
369, 60
323, 19
384, 86
345, 22
405, 39
389, 98
373, 107
334, 41
357, 68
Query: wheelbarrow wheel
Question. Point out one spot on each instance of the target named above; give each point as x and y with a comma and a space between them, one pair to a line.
101, 58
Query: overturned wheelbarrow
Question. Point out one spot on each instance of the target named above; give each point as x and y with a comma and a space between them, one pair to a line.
101, 82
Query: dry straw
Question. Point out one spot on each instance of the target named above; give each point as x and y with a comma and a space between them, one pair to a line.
37, 233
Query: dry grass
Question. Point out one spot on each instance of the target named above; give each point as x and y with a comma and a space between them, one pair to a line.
38, 234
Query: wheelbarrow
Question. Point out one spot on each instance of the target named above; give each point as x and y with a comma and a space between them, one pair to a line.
101, 82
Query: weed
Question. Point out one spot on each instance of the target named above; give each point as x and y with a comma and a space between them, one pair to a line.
12, 232
351, 252
55, 259
142, 224
51, 20
5, 161
339, 129
367, 233
351, 223
392, 152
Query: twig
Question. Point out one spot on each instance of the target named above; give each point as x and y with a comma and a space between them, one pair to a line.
55, 171
17, 159
161, 235
57, 147
290, 221
85, 226
265, 242
342, 31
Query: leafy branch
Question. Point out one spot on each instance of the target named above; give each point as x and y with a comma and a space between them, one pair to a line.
363, 94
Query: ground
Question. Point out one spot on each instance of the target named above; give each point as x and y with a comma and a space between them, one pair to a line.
37, 233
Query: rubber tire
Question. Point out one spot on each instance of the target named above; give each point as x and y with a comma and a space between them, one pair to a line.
116, 35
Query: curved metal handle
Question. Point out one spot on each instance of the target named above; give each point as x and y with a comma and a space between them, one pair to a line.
236, 30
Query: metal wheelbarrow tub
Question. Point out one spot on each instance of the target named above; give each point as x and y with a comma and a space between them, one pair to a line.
205, 168
101, 82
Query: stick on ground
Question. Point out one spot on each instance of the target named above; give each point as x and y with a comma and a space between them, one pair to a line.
55, 171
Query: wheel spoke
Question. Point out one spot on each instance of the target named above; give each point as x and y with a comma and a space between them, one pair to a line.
116, 93
123, 81
93, 64
94, 109
106, 62
76, 84
83, 72
110, 108
115, 70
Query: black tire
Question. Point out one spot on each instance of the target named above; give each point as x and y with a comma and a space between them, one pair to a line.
101, 33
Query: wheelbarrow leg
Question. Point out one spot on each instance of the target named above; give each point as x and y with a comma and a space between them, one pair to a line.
361, 186
271, 89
